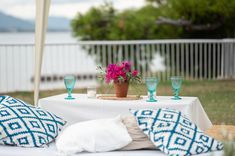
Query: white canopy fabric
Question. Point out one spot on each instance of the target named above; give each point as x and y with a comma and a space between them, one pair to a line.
42, 11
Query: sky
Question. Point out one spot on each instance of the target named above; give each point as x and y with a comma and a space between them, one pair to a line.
25, 9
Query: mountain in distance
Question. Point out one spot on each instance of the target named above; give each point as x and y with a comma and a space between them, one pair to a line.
10, 23
56, 23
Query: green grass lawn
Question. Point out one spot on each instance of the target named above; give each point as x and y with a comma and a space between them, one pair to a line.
217, 97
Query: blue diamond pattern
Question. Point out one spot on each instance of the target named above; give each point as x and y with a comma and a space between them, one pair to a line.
11, 101
199, 149
34, 124
4, 113
186, 122
23, 111
168, 116
25, 125
204, 138
185, 131
173, 133
42, 140
164, 124
147, 112
23, 141
41, 113
14, 125
51, 128
180, 141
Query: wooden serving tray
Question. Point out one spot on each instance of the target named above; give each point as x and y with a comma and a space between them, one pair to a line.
113, 97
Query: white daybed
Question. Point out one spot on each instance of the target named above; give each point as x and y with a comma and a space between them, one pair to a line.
51, 151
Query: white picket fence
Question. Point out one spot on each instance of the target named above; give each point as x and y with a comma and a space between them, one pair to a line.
193, 59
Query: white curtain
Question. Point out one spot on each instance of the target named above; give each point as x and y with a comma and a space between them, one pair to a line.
42, 11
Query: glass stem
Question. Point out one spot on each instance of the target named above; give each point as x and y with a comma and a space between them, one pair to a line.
176, 93
69, 93
151, 96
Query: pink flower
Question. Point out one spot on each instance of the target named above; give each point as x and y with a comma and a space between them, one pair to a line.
120, 72
111, 72
135, 73
126, 65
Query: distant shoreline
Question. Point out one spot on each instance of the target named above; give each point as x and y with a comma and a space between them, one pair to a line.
30, 31
29, 37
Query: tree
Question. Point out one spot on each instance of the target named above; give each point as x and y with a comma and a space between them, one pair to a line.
96, 24
200, 18
105, 23
158, 19
161, 19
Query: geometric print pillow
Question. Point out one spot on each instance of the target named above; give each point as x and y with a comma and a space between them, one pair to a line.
173, 133
24, 125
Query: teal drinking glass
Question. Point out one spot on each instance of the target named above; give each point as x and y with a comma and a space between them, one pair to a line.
151, 84
69, 82
176, 82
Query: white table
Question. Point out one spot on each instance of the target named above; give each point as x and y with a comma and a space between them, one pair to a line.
83, 108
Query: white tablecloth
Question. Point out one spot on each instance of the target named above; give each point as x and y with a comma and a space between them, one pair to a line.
83, 108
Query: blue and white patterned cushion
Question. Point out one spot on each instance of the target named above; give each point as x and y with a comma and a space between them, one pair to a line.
173, 133
24, 125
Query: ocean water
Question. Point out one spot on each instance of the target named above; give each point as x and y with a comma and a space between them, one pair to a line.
17, 62
61, 57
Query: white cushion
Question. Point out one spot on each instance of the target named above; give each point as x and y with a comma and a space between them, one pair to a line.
139, 139
94, 136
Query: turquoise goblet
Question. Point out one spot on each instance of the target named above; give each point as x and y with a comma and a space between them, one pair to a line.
151, 84
69, 82
176, 82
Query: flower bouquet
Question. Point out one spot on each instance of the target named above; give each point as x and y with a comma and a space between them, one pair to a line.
120, 74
